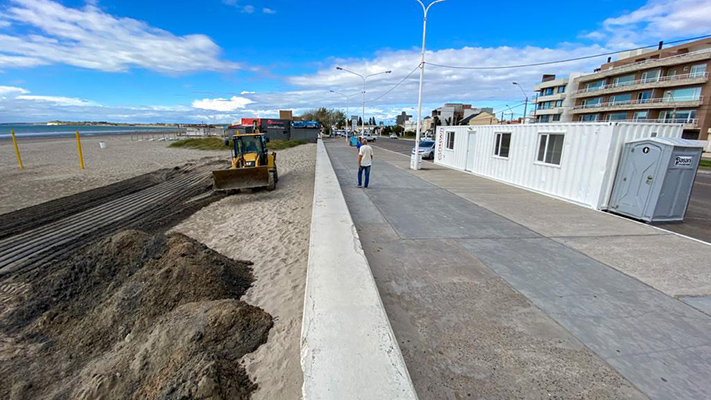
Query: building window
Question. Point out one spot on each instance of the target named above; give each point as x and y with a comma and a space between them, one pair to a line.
617, 116
597, 85
561, 89
651, 76
625, 80
589, 118
556, 118
543, 118
559, 103
644, 97
641, 115
547, 92
620, 99
550, 148
450, 140
679, 117
594, 102
686, 94
698, 71
503, 144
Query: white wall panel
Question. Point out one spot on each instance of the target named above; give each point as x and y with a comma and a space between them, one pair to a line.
589, 160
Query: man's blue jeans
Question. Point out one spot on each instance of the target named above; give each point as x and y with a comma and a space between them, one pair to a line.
360, 175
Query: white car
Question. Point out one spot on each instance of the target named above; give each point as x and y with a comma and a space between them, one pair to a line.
369, 137
393, 136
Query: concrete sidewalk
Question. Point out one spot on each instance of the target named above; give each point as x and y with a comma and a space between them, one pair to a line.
497, 292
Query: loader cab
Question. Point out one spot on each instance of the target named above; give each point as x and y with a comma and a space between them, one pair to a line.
251, 148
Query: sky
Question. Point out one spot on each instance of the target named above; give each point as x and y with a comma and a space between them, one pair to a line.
216, 61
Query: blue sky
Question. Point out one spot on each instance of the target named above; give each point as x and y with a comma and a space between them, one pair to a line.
219, 60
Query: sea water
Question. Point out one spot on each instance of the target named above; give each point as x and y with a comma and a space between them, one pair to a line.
40, 130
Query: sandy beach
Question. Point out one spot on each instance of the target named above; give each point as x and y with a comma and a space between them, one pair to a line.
51, 166
271, 229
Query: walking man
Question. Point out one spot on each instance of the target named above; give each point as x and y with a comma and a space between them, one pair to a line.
365, 161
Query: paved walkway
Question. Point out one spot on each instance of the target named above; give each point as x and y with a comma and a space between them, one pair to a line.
497, 292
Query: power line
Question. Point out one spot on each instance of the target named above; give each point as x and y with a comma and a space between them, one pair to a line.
561, 61
394, 87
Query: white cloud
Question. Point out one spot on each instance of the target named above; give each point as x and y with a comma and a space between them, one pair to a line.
246, 92
267, 10
658, 19
6, 90
59, 101
90, 38
248, 9
220, 104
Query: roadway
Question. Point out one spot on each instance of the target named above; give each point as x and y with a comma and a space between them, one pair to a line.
698, 216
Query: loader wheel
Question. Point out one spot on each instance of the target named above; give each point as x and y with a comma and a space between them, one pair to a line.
272, 181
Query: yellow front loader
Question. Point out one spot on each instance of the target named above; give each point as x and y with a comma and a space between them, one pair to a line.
252, 165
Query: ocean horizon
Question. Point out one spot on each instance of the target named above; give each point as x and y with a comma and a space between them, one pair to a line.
44, 130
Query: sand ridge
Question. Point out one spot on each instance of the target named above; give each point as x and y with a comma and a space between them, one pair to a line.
271, 229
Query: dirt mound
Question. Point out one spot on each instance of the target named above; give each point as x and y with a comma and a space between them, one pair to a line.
132, 316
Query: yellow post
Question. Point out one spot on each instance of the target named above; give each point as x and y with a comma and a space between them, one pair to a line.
81, 157
17, 150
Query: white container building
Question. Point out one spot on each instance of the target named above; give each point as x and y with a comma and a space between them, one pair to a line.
576, 162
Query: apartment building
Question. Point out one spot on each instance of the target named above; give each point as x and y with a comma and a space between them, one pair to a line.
453, 113
553, 102
666, 85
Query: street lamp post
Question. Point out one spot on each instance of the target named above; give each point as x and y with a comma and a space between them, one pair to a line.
414, 164
364, 78
347, 111
525, 105
511, 113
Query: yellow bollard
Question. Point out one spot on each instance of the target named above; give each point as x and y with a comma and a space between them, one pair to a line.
81, 157
17, 150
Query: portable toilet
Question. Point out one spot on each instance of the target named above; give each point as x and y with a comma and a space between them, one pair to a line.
654, 179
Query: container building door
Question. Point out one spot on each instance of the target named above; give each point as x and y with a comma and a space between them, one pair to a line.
638, 175
471, 143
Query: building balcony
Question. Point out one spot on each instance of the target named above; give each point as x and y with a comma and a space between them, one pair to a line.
641, 84
688, 123
638, 105
700, 55
551, 97
550, 111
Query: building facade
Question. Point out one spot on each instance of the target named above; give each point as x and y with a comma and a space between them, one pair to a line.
553, 102
665, 86
453, 113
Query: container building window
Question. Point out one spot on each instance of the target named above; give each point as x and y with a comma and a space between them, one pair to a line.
550, 148
503, 145
450, 140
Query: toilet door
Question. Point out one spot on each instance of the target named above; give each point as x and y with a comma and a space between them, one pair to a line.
638, 178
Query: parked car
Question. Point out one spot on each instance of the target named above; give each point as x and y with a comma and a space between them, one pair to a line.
393, 136
427, 149
369, 137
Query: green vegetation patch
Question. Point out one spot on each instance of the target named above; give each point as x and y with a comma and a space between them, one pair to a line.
219, 144
706, 164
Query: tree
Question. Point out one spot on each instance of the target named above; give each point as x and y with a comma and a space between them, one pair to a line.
326, 117
360, 121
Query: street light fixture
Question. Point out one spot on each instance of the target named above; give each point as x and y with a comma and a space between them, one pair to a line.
364, 78
413, 163
525, 105
347, 112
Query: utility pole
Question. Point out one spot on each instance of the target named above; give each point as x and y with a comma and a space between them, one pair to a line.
413, 163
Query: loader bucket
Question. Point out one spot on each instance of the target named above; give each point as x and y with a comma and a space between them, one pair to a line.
241, 178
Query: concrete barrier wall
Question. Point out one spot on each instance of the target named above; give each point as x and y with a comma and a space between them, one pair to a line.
348, 349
